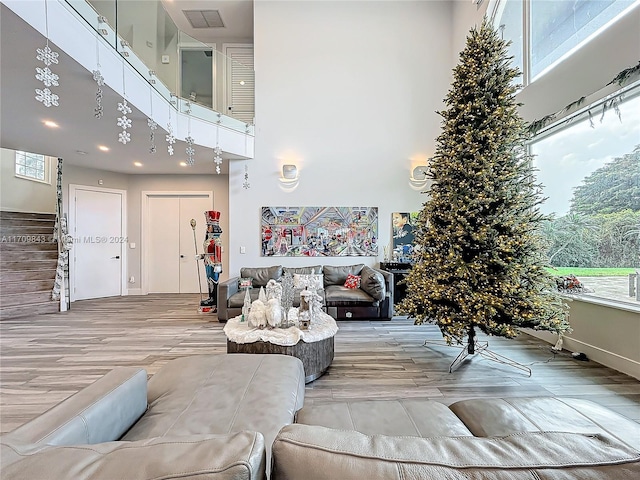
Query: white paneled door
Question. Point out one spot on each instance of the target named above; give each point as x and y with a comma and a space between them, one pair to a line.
97, 226
170, 261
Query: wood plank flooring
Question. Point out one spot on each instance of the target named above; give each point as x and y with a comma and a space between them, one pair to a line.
46, 358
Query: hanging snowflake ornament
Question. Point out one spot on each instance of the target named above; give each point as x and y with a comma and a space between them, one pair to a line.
46, 55
170, 139
152, 134
98, 112
246, 184
97, 77
47, 97
124, 107
124, 137
190, 151
47, 77
217, 157
124, 122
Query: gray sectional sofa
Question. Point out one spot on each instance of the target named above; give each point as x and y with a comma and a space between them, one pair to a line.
372, 301
230, 417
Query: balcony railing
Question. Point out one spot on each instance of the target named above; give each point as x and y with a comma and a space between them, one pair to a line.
186, 72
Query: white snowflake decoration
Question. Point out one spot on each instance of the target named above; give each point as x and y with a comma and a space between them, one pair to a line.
190, 151
47, 97
152, 136
170, 137
124, 107
151, 124
98, 112
47, 56
47, 77
124, 137
170, 149
97, 76
190, 161
217, 157
124, 122
246, 184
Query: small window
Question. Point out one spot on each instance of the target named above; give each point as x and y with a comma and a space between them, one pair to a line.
32, 166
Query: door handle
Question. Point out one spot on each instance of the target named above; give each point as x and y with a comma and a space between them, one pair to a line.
117, 256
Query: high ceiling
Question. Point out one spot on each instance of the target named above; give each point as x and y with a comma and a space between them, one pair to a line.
78, 134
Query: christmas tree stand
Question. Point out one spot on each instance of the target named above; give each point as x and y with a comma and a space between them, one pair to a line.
481, 348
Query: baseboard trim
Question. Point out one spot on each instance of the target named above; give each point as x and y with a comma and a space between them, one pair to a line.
597, 354
135, 291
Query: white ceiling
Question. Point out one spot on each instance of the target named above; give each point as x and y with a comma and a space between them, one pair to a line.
22, 117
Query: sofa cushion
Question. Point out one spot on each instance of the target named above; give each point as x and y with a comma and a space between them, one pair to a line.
372, 282
315, 269
419, 418
101, 412
337, 275
262, 275
237, 456
319, 453
223, 393
501, 416
341, 295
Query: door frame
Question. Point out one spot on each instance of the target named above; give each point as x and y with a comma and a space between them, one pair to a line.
73, 188
144, 231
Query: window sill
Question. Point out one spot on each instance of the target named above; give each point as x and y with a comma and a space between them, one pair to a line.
605, 302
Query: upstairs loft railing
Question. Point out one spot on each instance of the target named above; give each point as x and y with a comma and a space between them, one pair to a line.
195, 77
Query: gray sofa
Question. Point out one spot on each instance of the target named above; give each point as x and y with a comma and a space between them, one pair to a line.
537, 438
200, 417
229, 417
372, 301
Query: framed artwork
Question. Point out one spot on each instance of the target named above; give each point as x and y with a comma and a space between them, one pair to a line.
403, 224
319, 231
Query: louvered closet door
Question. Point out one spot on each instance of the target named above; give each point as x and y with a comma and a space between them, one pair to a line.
240, 82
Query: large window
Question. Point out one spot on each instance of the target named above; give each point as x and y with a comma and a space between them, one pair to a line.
555, 29
590, 170
32, 166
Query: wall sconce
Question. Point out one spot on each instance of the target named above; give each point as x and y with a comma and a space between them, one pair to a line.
418, 178
289, 178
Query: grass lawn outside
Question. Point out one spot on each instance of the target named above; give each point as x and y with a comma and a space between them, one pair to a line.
591, 272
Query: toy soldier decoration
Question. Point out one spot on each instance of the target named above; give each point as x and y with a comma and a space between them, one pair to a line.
212, 257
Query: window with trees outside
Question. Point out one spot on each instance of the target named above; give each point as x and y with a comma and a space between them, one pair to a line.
32, 166
590, 171
555, 29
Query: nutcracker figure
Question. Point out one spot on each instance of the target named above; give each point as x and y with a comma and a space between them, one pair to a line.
212, 257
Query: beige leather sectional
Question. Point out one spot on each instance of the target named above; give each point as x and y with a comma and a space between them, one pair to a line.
231, 416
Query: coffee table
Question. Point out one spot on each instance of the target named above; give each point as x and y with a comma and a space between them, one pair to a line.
313, 346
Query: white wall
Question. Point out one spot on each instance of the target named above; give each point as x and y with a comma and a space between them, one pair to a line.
20, 195
348, 92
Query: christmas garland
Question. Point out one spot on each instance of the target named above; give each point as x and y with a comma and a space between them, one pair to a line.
621, 78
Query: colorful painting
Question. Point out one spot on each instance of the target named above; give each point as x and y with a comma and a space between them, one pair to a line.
319, 231
403, 235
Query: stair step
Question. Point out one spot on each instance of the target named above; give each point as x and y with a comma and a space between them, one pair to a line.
26, 222
26, 298
10, 264
30, 216
28, 246
10, 312
14, 234
21, 275
26, 286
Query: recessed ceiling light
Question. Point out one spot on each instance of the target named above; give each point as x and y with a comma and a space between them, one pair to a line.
137, 164
103, 148
183, 164
50, 124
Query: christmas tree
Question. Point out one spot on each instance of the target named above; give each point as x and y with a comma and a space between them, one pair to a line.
480, 261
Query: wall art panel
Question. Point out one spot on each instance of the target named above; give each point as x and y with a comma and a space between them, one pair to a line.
319, 231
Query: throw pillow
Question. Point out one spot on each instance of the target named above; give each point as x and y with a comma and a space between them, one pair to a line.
352, 281
373, 283
245, 282
310, 281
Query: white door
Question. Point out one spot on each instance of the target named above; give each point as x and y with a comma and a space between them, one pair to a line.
240, 82
97, 228
171, 263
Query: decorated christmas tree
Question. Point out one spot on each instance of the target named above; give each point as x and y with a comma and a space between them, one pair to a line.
479, 261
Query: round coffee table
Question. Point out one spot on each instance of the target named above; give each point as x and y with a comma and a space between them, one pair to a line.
314, 347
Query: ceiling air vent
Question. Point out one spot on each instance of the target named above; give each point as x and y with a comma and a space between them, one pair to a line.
204, 18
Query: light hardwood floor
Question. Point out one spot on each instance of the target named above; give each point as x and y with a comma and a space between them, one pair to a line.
44, 359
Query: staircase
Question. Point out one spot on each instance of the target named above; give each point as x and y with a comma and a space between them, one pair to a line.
28, 259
